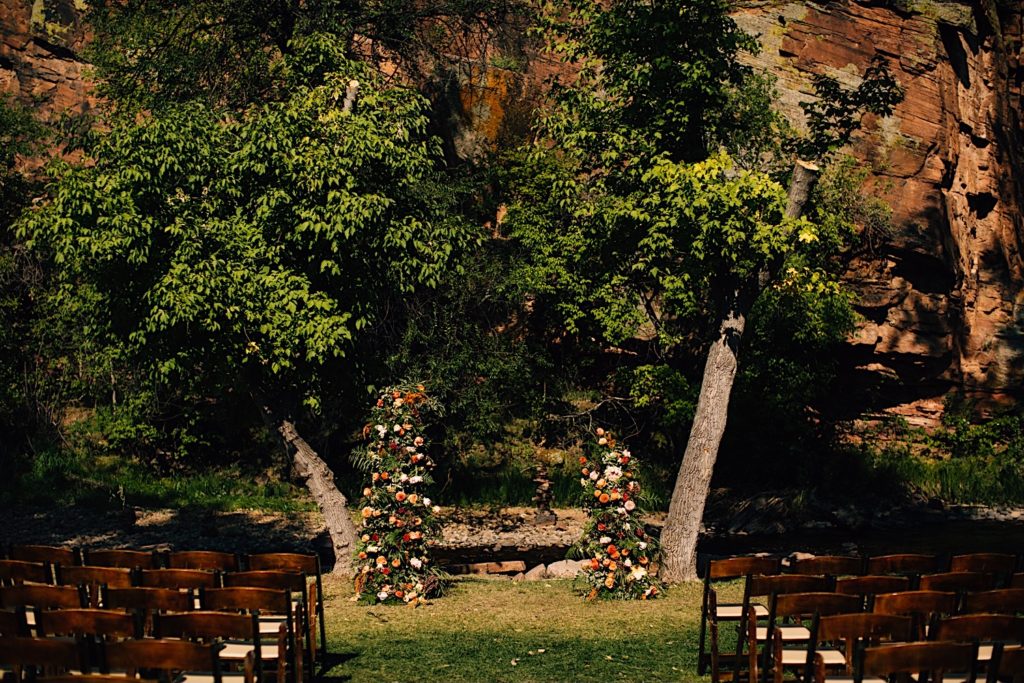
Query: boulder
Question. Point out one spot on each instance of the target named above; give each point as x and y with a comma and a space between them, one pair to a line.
565, 569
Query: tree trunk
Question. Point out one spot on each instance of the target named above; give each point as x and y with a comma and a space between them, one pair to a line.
686, 510
332, 503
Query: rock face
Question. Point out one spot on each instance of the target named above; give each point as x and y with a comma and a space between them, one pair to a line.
39, 63
941, 294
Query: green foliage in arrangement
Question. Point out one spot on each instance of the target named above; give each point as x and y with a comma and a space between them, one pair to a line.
243, 254
615, 541
393, 563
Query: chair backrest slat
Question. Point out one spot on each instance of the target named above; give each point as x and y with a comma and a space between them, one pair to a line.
127, 559
162, 599
44, 597
980, 627
266, 600
203, 559
903, 563
165, 655
864, 626
48, 652
957, 581
1001, 601
293, 581
809, 604
207, 625
45, 553
787, 583
289, 562
20, 571
988, 563
87, 622
912, 658
178, 578
872, 585
114, 577
831, 565
737, 567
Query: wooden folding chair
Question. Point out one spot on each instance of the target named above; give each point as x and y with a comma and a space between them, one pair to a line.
1000, 565
125, 559
984, 630
957, 582
921, 606
274, 607
867, 587
41, 656
94, 580
45, 553
787, 637
713, 613
295, 584
920, 662
147, 602
211, 560
847, 632
239, 633
768, 588
1007, 665
175, 660
310, 566
999, 601
92, 625
37, 597
20, 571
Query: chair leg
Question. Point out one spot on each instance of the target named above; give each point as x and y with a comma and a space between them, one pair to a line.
701, 661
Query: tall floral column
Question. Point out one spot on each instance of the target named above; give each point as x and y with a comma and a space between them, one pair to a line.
614, 539
393, 560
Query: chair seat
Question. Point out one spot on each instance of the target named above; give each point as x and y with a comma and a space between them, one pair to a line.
200, 677
985, 653
789, 633
236, 651
735, 612
796, 657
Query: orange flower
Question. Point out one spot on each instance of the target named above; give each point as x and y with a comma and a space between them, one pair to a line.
597, 494
642, 560
586, 471
376, 476
362, 556
603, 497
612, 549
606, 562
601, 483
385, 476
367, 512
625, 552
396, 562
609, 582
396, 394
382, 560
413, 498
583, 460
612, 566
367, 492
615, 495
399, 594
421, 387
400, 496
594, 564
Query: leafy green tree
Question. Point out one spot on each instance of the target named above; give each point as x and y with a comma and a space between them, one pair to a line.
246, 254
640, 220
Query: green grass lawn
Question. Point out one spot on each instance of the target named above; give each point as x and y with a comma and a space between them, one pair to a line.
490, 630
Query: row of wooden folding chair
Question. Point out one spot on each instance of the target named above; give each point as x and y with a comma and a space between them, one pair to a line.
885, 573
927, 663
70, 661
46, 564
834, 617
41, 604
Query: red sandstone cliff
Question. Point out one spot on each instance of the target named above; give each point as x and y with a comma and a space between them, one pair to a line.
942, 297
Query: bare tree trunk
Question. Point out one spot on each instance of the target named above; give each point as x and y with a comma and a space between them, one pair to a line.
686, 510
332, 503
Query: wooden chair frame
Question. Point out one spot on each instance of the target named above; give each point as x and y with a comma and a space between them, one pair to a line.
309, 565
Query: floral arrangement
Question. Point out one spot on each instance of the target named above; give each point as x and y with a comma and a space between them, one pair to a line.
392, 556
619, 550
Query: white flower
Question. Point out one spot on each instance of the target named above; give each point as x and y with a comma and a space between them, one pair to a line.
641, 545
372, 549
381, 429
630, 505
419, 586
416, 480
583, 482
398, 402
625, 453
638, 573
426, 501
437, 508
604, 540
628, 563
602, 441
382, 596
410, 449
612, 473
415, 562
418, 441
594, 476
397, 428
404, 477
